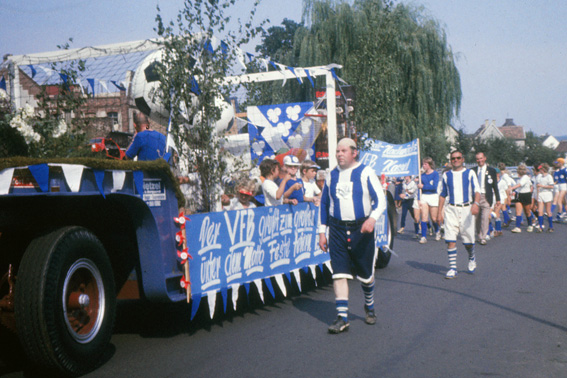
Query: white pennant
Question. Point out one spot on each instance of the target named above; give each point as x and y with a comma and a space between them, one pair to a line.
48, 72
281, 284
328, 265
103, 84
297, 276
241, 57
314, 273
282, 70
73, 174
260, 290
6, 180
235, 295
212, 299
118, 178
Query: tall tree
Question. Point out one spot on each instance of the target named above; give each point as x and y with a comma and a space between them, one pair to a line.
398, 60
192, 71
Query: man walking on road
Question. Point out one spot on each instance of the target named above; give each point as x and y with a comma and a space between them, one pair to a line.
488, 183
352, 201
459, 190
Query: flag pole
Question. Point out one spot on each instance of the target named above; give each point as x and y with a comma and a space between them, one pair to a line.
418, 170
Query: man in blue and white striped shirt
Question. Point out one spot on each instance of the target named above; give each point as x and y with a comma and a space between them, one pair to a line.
461, 192
352, 201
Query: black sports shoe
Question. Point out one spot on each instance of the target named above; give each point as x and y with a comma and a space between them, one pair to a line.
340, 325
370, 317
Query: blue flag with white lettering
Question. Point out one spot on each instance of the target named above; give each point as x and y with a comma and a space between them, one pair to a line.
392, 160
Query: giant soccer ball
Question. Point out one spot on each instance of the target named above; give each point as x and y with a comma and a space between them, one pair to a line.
147, 96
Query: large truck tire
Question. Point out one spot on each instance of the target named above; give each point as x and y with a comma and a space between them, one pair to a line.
383, 258
65, 301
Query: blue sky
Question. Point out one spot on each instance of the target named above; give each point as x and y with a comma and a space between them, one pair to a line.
511, 54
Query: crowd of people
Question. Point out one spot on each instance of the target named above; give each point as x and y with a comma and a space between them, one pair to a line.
538, 198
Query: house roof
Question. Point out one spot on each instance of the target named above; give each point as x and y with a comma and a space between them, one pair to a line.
562, 147
513, 132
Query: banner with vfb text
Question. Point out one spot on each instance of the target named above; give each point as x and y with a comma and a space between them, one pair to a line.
392, 160
242, 246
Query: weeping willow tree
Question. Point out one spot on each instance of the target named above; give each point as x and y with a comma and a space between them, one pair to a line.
397, 59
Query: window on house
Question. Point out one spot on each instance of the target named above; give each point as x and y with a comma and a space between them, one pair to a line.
113, 116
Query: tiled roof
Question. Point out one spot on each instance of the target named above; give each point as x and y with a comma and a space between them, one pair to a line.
562, 147
513, 132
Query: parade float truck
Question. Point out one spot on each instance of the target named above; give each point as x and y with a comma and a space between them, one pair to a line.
75, 236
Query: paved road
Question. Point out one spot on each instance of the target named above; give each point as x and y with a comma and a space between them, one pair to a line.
509, 319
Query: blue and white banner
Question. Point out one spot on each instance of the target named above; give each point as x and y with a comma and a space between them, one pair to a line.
393, 160
276, 128
240, 247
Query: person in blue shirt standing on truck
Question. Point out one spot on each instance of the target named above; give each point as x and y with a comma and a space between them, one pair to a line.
148, 144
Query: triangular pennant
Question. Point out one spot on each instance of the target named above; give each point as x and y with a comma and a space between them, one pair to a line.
328, 265
73, 175
258, 283
288, 275
139, 182
118, 178
250, 56
118, 85
306, 269
270, 287
64, 77
195, 301
40, 173
313, 273
92, 84
48, 72
235, 288
310, 78
6, 180
212, 299
240, 57
103, 84
2, 83
297, 276
99, 178
224, 294
247, 288
281, 284
33, 71
297, 77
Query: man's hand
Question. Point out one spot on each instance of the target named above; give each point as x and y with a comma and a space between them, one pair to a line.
297, 186
323, 242
440, 217
475, 209
368, 226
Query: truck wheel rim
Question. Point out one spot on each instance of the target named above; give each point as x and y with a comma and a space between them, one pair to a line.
83, 301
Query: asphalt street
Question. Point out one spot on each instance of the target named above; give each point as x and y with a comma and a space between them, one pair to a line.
509, 319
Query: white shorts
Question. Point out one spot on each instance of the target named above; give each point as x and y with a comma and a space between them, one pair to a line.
459, 220
432, 200
545, 197
415, 204
562, 187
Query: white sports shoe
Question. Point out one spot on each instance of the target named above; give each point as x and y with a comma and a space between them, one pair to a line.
438, 235
516, 230
451, 273
472, 266
423, 240
530, 228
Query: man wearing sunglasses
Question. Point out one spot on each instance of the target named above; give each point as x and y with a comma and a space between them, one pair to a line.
461, 192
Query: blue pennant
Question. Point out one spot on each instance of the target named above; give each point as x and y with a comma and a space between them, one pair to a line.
208, 46
139, 182
268, 282
117, 85
247, 287
33, 71
99, 178
40, 173
250, 56
92, 84
334, 74
310, 78
195, 301
224, 293
64, 78
3, 83
274, 65
195, 86
288, 275
224, 47
293, 72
